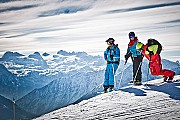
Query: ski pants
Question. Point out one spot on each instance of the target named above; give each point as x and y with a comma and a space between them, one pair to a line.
109, 75
156, 69
137, 74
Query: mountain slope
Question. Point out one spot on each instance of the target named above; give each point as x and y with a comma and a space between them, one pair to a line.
59, 93
6, 108
8, 82
132, 102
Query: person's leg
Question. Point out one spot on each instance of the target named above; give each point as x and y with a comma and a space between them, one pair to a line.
158, 71
112, 76
138, 72
106, 78
134, 67
167, 74
134, 70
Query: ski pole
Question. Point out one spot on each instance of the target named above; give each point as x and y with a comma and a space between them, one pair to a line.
147, 74
113, 73
137, 71
125, 62
148, 70
14, 109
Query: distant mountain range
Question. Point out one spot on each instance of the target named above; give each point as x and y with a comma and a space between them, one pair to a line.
42, 83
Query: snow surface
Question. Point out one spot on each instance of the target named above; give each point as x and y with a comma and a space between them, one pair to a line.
132, 102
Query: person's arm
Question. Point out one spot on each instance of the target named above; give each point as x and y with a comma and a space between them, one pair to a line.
105, 55
145, 52
128, 54
118, 52
117, 55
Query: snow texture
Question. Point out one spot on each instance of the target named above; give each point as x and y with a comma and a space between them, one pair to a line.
133, 102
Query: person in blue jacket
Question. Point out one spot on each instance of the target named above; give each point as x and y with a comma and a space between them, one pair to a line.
136, 57
112, 57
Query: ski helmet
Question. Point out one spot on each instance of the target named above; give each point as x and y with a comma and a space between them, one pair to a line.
131, 35
110, 39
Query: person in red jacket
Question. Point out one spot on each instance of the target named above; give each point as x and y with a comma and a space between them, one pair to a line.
150, 52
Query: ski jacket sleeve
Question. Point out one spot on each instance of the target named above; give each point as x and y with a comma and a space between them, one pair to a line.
144, 52
128, 50
117, 55
105, 54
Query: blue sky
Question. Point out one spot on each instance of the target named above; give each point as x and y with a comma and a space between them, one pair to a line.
83, 25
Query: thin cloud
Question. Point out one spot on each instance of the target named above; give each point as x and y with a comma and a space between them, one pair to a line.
17, 8
144, 7
84, 25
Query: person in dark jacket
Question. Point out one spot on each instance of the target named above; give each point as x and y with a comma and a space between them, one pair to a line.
136, 57
112, 57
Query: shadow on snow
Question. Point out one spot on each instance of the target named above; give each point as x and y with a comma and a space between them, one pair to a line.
136, 91
172, 89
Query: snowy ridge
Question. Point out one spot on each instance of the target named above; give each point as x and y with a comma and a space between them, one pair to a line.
137, 102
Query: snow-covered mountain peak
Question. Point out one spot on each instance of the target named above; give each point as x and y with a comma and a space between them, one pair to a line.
4, 70
11, 55
45, 54
36, 56
65, 53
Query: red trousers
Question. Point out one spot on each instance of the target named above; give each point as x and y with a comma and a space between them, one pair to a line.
156, 69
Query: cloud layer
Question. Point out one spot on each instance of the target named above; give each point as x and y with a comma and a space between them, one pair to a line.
83, 25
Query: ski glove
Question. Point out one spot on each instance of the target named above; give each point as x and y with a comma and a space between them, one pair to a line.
127, 56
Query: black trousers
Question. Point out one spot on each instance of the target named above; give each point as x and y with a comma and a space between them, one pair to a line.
137, 74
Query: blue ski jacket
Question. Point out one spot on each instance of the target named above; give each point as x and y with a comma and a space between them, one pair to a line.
112, 54
132, 48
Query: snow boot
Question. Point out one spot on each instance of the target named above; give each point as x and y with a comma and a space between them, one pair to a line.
137, 83
165, 79
132, 81
171, 77
105, 89
110, 89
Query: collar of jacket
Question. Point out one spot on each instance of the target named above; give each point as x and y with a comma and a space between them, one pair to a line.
131, 43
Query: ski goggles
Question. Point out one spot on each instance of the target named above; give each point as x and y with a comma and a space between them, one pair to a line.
131, 36
110, 42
